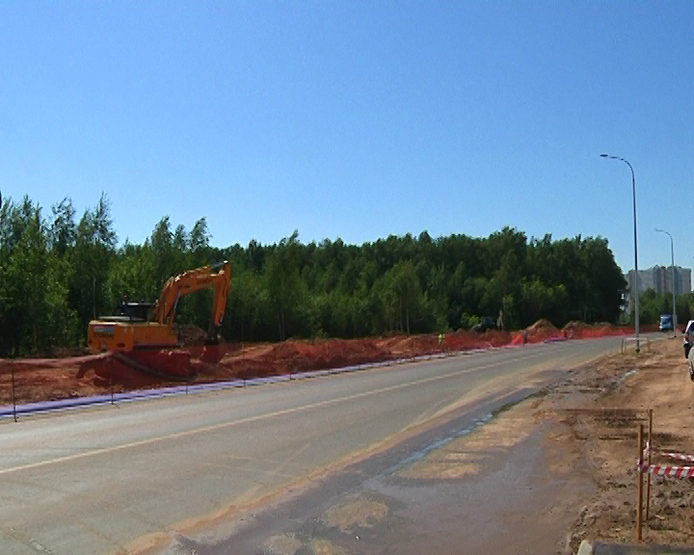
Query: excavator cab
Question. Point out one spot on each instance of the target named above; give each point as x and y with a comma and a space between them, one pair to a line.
135, 311
135, 334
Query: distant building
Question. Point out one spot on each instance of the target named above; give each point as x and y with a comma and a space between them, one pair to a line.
659, 278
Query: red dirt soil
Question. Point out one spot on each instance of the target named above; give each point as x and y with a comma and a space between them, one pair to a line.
69, 377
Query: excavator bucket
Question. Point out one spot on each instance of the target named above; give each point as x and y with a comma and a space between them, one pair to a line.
212, 354
169, 364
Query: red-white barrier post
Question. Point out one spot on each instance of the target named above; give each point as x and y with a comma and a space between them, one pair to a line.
639, 505
650, 450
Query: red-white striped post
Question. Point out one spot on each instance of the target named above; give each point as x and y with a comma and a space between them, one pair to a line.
639, 506
650, 450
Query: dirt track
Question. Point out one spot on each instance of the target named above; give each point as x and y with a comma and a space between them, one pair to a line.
593, 420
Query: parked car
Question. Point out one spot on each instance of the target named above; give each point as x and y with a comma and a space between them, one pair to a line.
666, 323
485, 323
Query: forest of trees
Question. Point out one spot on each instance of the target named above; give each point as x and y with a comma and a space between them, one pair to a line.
58, 272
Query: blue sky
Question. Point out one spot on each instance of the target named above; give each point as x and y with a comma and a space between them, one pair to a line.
356, 119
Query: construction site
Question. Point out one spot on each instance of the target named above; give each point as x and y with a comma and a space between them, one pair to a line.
589, 420
32, 380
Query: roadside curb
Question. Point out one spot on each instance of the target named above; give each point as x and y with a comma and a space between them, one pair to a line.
601, 548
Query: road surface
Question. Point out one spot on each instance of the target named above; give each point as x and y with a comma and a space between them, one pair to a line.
117, 479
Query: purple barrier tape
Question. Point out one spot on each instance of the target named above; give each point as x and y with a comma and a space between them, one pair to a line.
65, 404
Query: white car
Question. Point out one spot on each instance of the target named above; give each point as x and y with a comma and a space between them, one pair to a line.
688, 331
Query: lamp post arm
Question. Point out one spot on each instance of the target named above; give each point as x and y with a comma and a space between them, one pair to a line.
636, 253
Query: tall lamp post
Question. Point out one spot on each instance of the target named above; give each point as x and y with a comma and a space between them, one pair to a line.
672, 259
636, 256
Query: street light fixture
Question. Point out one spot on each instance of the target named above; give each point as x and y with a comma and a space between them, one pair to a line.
636, 256
672, 259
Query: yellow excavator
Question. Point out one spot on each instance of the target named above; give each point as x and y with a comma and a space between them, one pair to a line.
132, 331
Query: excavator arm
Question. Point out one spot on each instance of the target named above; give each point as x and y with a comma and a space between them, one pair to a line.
128, 332
215, 276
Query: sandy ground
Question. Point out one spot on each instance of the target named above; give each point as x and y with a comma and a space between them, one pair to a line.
591, 421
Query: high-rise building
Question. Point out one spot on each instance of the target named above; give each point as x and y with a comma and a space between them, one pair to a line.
659, 278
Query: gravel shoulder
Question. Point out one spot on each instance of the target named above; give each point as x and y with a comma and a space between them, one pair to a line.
593, 419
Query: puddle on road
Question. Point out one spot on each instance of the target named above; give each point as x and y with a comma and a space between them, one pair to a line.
285, 543
438, 444
354, 518
358, 511
626, 376
480, 486
289, 545
462, 452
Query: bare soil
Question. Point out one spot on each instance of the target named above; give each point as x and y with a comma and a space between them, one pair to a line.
594, 417
62, 377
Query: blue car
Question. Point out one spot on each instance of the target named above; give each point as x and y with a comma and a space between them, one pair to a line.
666, 323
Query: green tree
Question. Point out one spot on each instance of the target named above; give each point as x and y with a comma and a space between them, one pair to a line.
402, 299
94, 251
285, 289
35, 315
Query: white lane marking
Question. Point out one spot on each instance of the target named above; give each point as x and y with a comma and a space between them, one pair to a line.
220, 426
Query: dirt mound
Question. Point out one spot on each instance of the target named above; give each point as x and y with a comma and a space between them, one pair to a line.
35, 380
541, 324
192, 335
542, 330
466, 340
405, 346
580, 330
299, 356
68, 377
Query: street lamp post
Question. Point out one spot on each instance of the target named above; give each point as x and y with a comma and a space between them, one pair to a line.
672, 260
636, 256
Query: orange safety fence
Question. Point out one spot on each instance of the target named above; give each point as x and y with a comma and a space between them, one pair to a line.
29, 380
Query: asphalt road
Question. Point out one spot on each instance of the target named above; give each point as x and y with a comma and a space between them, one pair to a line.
112, 479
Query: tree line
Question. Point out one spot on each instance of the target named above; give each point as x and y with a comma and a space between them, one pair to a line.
652, 305
58, 272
